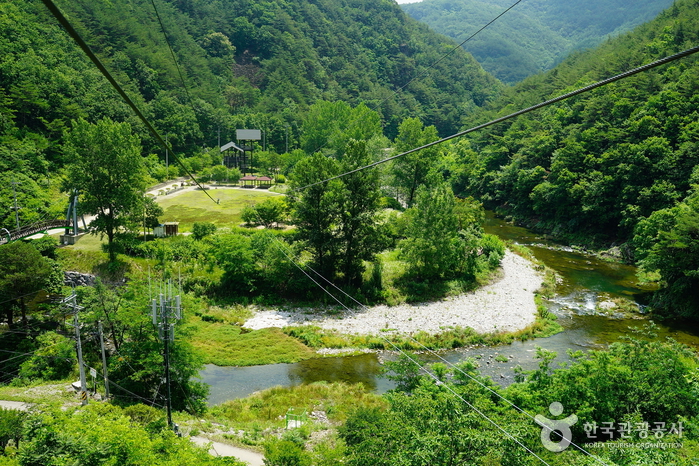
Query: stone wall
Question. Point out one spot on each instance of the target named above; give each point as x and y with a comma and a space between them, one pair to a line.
78, 279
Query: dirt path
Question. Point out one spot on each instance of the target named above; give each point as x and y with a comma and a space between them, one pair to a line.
221, 449
17, 405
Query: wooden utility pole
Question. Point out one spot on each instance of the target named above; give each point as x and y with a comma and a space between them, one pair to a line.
83, 384
104, 361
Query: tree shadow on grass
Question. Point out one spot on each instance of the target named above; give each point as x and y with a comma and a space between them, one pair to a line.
417, 290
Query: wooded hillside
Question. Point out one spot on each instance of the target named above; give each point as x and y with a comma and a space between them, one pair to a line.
605, 166
535, 35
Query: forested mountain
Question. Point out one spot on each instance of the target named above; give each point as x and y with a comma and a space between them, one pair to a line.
535, 35
616, 164
246, 64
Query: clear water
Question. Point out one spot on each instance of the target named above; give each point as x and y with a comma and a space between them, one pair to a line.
585, 280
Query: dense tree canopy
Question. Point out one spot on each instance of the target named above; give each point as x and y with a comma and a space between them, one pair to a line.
600, 161
535, 35
108, 172
23, 272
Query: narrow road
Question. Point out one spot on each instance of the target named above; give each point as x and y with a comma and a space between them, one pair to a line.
221, 449
16, 405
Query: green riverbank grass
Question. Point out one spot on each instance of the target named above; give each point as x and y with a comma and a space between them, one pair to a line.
223, 342
336, 399
195, 206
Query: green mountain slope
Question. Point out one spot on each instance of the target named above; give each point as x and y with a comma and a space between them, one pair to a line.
247, 64
534, 35
598, 163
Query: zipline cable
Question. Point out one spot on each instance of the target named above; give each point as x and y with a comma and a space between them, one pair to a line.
172, 52
86, 48
397, 348
581, 90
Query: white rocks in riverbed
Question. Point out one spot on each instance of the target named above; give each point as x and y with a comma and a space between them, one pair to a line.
503, 306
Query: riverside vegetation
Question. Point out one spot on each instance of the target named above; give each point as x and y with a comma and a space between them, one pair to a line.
617, 165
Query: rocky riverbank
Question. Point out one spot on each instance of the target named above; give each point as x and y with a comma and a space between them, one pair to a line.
505, 305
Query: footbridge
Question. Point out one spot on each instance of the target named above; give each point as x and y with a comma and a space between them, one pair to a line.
12, 235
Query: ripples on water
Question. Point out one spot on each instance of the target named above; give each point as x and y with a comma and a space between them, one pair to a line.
585, 282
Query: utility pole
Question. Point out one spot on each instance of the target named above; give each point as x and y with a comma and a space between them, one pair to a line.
164, 310
167, 166
104, 361
83, 384
14, 189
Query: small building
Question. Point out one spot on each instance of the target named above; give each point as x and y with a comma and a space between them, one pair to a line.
264, 181
166, 229
248, 181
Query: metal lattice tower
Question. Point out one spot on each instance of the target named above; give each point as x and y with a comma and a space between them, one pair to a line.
165, 311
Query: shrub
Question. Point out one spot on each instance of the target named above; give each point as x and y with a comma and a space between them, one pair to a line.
202, 229
52, 361
285, 453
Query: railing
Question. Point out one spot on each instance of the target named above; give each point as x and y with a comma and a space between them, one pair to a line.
32, 229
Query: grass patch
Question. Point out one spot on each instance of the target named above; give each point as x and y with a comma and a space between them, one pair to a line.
195, 206
267, 408
97, 263
450, 338
54, 394
80, 260
399, 287
224, 343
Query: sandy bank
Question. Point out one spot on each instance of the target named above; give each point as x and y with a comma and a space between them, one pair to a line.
504, 305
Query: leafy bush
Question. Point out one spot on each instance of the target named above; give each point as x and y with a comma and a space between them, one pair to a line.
52, 361
46, 245
202, 229
101, 433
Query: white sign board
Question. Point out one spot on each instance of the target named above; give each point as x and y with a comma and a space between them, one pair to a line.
248, 134
93, 372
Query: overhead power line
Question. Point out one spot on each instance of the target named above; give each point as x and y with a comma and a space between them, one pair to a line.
86, 48
431, 66
282, 249
581, 90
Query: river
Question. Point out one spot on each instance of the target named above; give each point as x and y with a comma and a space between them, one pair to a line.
585, 281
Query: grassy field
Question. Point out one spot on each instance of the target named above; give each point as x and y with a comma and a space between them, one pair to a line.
267, 408
195, 206
217, 335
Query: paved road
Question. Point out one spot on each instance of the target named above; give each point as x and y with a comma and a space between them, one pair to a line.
18, 405
221, 449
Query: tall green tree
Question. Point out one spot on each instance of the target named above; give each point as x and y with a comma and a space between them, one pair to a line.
412, 170
443, 234
109, 173
315, 209
358, 233
23, 272
329, 126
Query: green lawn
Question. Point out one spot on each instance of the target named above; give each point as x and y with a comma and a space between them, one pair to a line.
225, 344
195, 206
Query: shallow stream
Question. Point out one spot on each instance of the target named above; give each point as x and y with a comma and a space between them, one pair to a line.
585, 281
